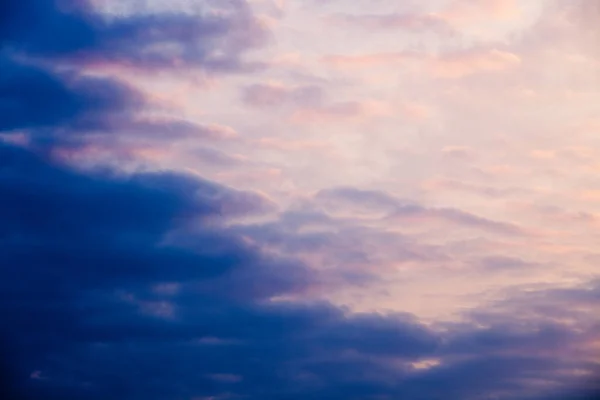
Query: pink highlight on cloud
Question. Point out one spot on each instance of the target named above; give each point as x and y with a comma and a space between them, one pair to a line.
151, 154
20, 139
113, 153
369, 60
416, 111
590, 126
459, 64
590, 195
543, 154
218, 131
467, 11
275, 143
450, 65
287, 60
411, 22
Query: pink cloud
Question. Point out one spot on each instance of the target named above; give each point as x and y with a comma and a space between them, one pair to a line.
369, 60
407, 22
459, 64
416, 111
291, 145
466, 11
461, 153
446, 65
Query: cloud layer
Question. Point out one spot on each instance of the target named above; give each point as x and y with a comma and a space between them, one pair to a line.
220, 200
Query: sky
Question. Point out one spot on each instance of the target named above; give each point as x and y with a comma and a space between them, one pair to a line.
299, 199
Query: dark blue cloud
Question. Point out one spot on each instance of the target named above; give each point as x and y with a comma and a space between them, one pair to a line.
82, 256
65, 217
31, 97
43, 43
40, 27
69, 244
73, 30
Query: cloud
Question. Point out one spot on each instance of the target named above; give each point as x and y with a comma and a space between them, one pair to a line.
445, 65
405, 22
369, 60
447, 19
83, 254
46, 95
292, 145
80, 305
455, 65
565, 31
397, 209
460, 11
75, 31
218, 158
370, 198
86, 255
69, 238
139, 285
272, 95
342, 111
309, 104
344, 252
504, 263
468, 187
34, 98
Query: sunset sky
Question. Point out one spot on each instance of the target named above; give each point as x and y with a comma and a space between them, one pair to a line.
299, 199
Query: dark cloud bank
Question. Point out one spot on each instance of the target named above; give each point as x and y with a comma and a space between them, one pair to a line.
118, 286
